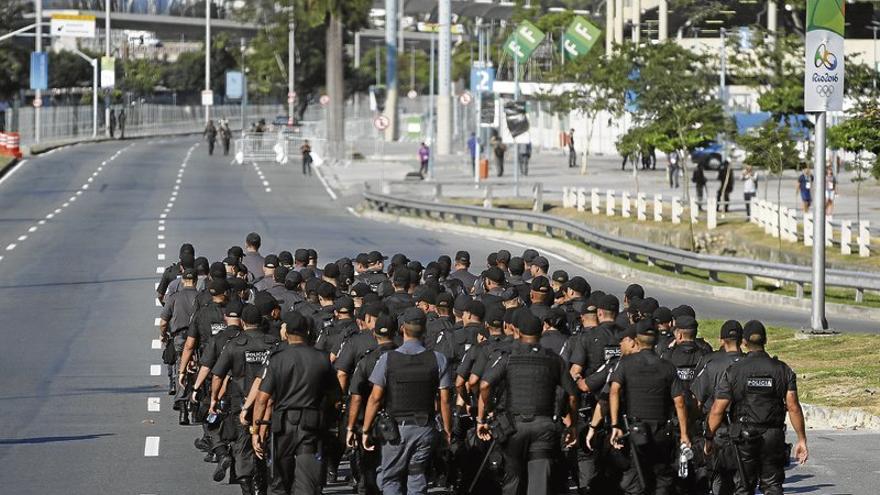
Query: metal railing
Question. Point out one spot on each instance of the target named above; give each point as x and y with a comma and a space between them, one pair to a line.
633, 249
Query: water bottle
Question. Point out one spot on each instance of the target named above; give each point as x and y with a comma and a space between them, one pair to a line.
685, 454
212, 417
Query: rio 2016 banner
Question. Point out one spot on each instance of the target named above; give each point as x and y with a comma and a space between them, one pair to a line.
823, 75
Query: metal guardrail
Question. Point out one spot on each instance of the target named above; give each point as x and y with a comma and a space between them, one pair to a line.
499, 217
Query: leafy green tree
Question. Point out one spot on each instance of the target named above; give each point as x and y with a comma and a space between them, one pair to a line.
859, 134
13, 52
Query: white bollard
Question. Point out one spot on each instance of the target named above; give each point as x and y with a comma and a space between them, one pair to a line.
625, 205
845, 237
487, 197
864, 238
609, 203
829, 233
712, 213
808, 230
792, 225
565, 198
641, 207
677, 210
658, 208
581, 199
594, 201
694, 211
755, 209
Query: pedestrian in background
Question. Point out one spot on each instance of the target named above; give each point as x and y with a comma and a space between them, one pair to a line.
112, 123
225, 135
572, 156
804, 187
121, 120
699, 180
525, 154
725, 187
750, 187
424, 158
210, 135
830, 191
306, 150
472, 149
499, 149
673, 169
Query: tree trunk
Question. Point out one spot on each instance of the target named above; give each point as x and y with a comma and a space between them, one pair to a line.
335, 89
589, 121
779, 207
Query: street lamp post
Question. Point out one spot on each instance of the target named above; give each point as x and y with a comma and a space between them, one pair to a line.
291, 64
107, 54
207, 57
38, 47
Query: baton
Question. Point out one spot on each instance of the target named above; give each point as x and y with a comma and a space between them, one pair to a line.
634, 451
740, 467
482, 466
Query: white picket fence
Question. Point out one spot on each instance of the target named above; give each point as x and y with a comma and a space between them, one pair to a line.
767, 215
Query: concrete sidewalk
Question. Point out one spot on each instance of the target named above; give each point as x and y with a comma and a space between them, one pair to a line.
603, 172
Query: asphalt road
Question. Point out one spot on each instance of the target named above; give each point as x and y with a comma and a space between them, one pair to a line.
82, 233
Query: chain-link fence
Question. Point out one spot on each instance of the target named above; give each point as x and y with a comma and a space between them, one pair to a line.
63, 123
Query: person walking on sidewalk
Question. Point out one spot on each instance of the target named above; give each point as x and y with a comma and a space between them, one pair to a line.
572, 156
725, 187
306, 150
210, 135
112, 123
499, 148
121, 121
830, 191
699, 180
673, 169
804, 187
750, 187
424, 158
525, 154
472, 149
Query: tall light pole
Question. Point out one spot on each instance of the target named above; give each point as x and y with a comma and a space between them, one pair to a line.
391, 69
207, 56
817, 296
874, 28
243, 102
107, 55
444, 74
38, 47
432, 134
291, 63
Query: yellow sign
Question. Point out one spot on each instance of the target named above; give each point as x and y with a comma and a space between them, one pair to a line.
72, 25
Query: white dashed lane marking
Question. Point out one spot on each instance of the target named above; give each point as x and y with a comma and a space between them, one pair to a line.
154, 404
10, 247
161, 256
156, 344
155, 369
151, 447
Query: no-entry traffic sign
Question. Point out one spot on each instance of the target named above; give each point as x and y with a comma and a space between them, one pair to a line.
381, 123
325, 99
465, 98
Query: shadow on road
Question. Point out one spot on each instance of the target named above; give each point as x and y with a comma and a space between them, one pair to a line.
41, 440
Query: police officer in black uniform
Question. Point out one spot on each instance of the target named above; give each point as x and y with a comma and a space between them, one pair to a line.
299, 379
242, 360
374, 275
529, 376
461, 273
709, 371
645, 394
759, 390
360, 389
406, 382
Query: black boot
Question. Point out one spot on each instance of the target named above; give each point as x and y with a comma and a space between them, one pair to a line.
184, 414
172, 386
247, 485
223, 463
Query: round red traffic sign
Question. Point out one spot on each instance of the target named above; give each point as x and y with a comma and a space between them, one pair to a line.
381, 123
291, 97
325, 99
465, 98
38, 102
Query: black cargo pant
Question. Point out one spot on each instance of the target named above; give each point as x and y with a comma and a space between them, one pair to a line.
529, 453
296, 461
655, 458
763, 456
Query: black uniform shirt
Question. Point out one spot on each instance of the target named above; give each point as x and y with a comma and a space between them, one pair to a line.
360, 379
467, 278
352, 350
557, 342
649, 385
213, 349
596, 346
336, 334
709, 371
497, 369
494, 347
298, 376
756, 387
685, 356
207, 322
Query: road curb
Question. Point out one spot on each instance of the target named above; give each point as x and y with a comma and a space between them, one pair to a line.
610, 268
43, 149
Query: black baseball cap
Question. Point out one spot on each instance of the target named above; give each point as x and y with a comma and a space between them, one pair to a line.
635, 290
217, 270
401, 276
529, 255
580, 285
292, 280
233, 308
281, 274
425, 294
344, 304
662, 315
265, 302
502, 256
362, 259
495, 274
731, 330
187, 260
686, 322
516, 266
360, 289
301, 255
608, 302
646, 327
295, 322
529, 324
754, 332
236, 284
494, 316
331, 270
509, 294
414, 316
629, 332
374, 308
492, 259
375, 257
230, 260
271, 261
399, 259
202, 266
218, 286
541, 262
326, 290
251, 315
477, 309
541, 284
682, 310
555, 317
235, 251
189, 274
386, 325
647, 306
285, 258
461, 302
445, 300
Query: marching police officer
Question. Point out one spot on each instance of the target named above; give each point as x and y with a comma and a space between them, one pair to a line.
759, 390
406, 381
174, 321
242, 360
645, 390
298, 379
709, 371
529, 375
374, 275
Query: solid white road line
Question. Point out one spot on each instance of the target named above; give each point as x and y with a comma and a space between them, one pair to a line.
151, 447
158, 304
325, 184
154, 404
155, 369
14, 169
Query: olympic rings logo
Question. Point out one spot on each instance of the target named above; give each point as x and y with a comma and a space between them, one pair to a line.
825, 90
825, 58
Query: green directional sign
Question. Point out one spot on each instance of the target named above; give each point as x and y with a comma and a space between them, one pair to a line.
523, 41
579, 38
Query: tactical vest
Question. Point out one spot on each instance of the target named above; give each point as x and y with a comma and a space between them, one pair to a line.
411, 385
531, 381
256, 350
759, 394
647, 392
685, 357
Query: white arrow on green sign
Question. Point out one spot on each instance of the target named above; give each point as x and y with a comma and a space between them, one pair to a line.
579, 38
522, 42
